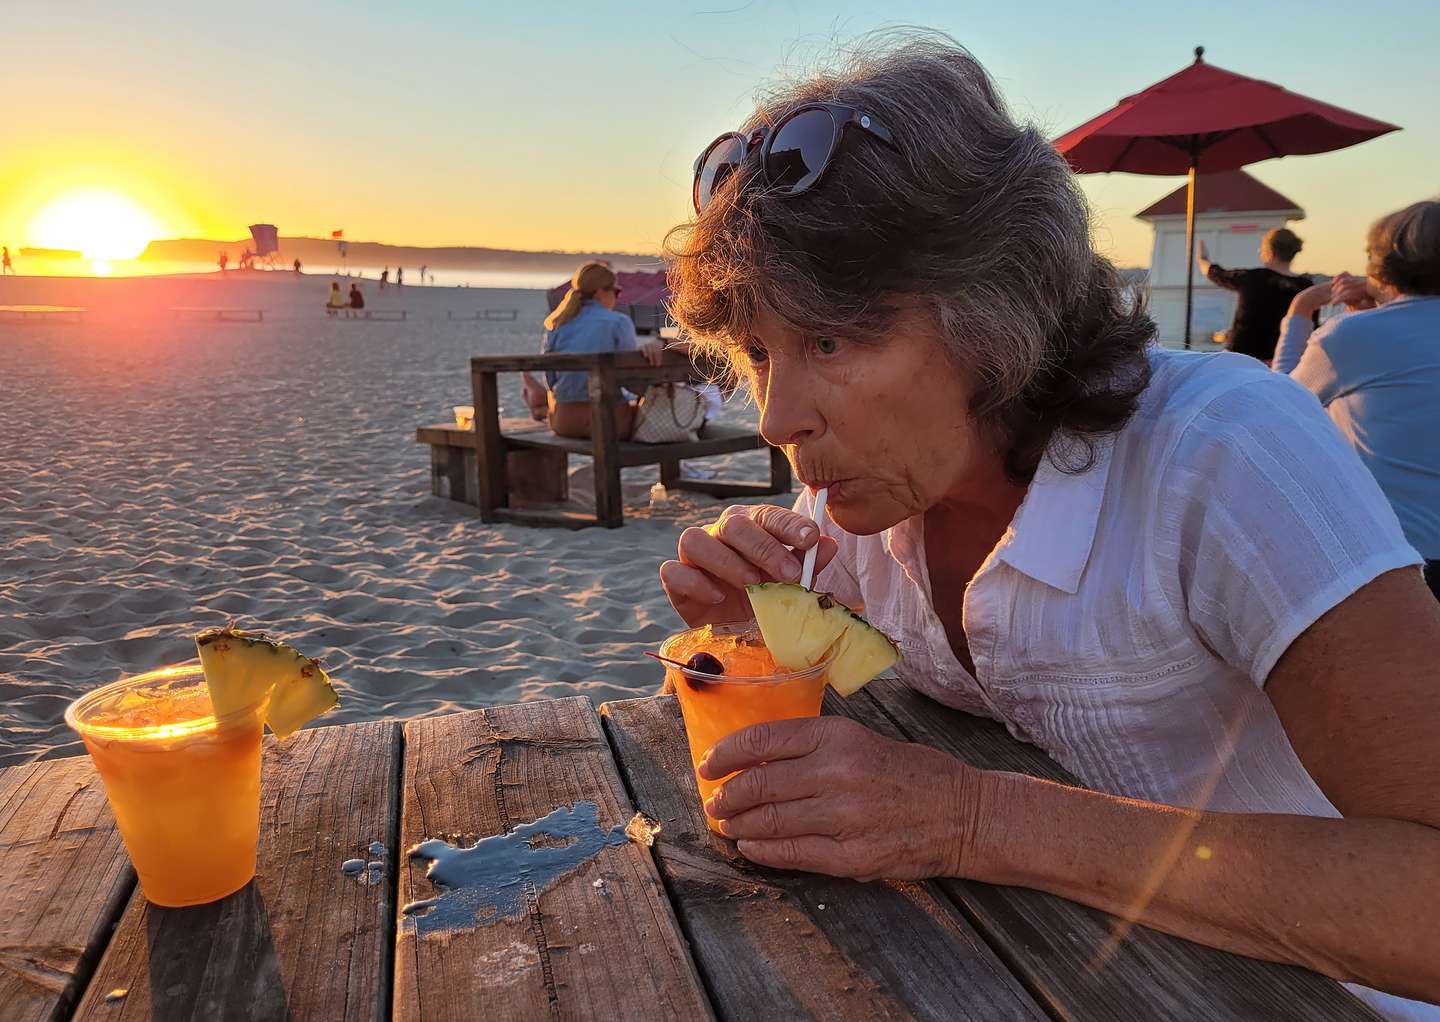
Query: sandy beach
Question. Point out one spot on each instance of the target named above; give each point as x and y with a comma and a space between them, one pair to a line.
162, 475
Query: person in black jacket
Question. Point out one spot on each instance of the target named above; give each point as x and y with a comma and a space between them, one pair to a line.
1265, 293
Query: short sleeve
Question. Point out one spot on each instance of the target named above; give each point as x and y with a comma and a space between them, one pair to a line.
1272, 519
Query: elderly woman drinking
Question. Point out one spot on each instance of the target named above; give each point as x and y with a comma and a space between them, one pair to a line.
1167, 570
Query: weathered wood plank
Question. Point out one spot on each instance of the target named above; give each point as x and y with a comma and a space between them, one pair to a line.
304, 940
713, 440
540, 362
493, 485
785, 945
592, 937
1082, 963
609, 498
64, 878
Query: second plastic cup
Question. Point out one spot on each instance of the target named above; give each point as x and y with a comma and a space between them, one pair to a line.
184, 785
751, 691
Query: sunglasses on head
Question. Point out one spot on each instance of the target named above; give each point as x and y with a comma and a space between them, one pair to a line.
794, 153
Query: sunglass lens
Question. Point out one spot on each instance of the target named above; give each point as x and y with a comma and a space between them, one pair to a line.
723, 159
799, 150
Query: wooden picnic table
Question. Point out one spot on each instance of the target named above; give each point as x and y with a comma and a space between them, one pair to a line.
571, 919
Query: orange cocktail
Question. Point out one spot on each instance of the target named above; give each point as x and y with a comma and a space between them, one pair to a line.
184, 786
750, 691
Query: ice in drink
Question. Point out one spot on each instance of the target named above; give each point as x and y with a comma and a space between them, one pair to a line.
751, 690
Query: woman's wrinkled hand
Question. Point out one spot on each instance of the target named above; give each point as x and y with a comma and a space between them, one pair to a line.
746, 545
829, 795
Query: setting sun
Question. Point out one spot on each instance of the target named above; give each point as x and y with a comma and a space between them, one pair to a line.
100, 224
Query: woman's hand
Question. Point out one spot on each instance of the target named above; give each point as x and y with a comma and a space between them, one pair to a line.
1352, 292
1311, 300
748, 544
1203, 251
829, 795
654, 352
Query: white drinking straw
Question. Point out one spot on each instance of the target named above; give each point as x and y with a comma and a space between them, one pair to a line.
808, 572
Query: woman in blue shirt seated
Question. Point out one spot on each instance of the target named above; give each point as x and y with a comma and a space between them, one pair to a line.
1377, 371
585, 321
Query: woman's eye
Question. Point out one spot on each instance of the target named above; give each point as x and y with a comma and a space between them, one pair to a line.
756, 354
827, 345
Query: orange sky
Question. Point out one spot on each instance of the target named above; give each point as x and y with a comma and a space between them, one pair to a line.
519, 128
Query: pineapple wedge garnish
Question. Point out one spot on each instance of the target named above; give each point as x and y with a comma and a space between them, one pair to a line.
242, 667
801, 628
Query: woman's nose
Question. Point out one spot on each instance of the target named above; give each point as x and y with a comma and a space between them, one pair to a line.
788, 412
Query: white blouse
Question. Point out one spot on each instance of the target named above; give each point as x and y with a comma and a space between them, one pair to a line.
1129, 616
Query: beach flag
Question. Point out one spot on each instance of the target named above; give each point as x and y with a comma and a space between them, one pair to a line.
337, 235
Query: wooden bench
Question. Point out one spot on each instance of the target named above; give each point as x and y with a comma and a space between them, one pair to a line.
219, 315
42, 313
487, 315
481, 466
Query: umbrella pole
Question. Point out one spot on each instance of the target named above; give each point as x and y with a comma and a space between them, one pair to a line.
1190, 246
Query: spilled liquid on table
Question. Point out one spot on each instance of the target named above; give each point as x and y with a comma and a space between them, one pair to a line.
491, 879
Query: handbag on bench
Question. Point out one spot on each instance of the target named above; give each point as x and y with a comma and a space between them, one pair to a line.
669, 413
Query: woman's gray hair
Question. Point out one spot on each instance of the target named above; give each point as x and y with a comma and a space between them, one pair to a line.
977, 217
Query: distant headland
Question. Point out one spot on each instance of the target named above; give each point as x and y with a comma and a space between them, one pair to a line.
324, 252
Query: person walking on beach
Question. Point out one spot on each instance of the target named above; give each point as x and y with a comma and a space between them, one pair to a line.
399, 276
297, 266
336, 301
5, 264
384, 278
357, 300
422, 275
223, 261
1265, 293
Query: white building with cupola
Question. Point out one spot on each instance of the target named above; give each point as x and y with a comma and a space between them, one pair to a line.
1232, 213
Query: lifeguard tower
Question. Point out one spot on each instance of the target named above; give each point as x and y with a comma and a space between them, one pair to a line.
1232, 213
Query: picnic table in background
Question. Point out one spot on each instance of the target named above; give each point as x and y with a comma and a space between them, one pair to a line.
516, 470
569, 918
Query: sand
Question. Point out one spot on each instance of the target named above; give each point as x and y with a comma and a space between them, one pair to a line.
160, 476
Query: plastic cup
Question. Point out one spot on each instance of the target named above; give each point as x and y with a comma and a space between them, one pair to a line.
464, 416
184, 785
751, 691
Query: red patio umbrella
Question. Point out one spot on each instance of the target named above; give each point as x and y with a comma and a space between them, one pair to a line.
1206, 112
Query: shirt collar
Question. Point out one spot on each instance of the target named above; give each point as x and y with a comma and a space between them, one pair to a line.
1053, 532
1051, 535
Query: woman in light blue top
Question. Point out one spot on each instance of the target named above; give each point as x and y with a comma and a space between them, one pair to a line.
1377, 371
585, 321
